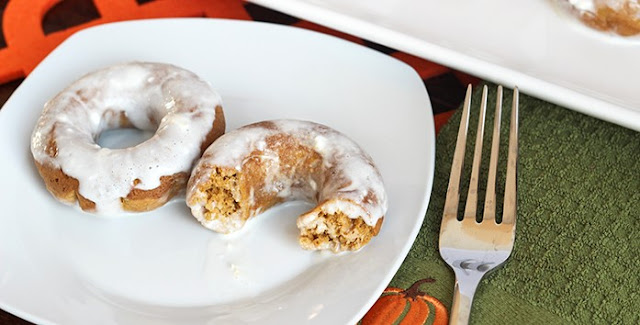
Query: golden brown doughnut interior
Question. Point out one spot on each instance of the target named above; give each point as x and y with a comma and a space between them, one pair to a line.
623, 21
338, 233
222, 193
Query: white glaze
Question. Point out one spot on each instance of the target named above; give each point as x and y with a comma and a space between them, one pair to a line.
152, 95
356, 174
584, 5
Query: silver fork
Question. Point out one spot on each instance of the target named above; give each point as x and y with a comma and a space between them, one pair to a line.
474, 248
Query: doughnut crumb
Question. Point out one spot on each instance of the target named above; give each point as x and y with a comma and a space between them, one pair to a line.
222, 194
337, 232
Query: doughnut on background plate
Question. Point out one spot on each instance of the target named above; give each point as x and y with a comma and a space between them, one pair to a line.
60, 265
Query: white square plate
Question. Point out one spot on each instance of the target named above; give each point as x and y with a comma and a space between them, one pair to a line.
533, 44
60, 265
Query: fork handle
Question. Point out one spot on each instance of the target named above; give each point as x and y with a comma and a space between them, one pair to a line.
466, 283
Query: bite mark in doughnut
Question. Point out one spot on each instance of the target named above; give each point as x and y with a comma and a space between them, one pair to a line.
183, 110
251, 169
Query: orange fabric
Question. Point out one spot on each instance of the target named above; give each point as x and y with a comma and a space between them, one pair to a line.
441, 315
319, 28
466, 79
390, 306
426, 69
418, 313
385, 311
441, 119
27, 45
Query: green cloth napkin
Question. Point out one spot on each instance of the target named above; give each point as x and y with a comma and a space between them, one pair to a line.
577, 252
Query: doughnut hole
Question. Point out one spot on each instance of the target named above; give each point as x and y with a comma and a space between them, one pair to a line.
122, 138
337, 232
118, 132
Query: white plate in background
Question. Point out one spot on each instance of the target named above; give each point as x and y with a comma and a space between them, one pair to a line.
60, 265
532, 44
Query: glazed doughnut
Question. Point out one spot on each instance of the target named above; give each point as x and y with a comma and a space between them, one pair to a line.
183, 110
619, 16
251, 169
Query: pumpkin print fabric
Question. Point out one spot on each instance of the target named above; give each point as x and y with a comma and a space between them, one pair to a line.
407, 307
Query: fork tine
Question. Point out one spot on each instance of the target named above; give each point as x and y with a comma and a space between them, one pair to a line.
472, 196
490, 199
510, 188
453, 190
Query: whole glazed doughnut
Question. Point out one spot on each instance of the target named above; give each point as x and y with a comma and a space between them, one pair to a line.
183, 110
251, 169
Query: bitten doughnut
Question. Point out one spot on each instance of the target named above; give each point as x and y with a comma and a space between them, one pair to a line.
251, 169
183, 110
